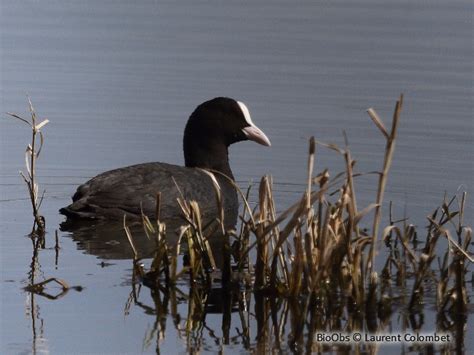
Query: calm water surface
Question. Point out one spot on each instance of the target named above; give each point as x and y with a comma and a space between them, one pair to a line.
118, 80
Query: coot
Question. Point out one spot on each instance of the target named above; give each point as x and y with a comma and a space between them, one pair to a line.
211, 128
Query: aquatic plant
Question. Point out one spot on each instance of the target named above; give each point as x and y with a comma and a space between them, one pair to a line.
32, 153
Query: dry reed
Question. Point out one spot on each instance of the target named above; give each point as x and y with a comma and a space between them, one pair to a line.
32, 153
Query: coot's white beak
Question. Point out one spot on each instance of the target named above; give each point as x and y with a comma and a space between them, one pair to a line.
255, 134
252, 132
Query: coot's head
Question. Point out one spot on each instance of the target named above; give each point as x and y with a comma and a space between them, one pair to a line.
212, 127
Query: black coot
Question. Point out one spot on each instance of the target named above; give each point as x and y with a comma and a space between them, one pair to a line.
211, 128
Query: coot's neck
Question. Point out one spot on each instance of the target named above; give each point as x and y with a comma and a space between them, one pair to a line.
207, 155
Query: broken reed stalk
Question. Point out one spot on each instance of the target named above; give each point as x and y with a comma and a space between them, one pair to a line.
130, 238
309, 183
32, 153
389, 149
261, 264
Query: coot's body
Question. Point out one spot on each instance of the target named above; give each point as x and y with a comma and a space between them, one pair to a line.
132, 189
212, 127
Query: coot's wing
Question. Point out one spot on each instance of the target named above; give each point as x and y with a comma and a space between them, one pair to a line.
128, 190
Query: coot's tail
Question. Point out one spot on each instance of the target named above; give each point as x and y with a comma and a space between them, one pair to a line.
74, 211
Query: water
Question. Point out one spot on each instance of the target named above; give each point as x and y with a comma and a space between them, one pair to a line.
118, 80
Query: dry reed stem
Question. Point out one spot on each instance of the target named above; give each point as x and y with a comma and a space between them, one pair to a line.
389, 150
40, 285
130, 238
274, 234
31, 155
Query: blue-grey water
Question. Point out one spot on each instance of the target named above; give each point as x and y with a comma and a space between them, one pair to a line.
118, 79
